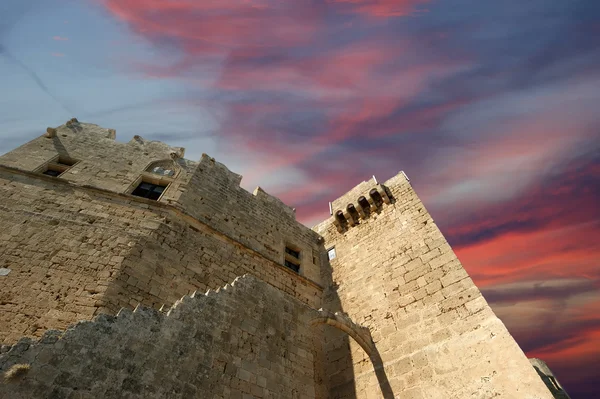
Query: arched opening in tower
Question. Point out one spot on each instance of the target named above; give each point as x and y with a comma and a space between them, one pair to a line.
377, 200
364, 204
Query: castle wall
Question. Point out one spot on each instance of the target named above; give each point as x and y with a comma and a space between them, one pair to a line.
78, 245
63, 246
74, 252
437, 337
75, 246
247, 340
206, 190
182, 255
260, 221
102, 162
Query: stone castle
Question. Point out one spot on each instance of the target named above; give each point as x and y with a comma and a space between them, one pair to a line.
129, 271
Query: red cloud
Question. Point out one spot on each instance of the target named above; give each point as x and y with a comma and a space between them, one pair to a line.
382, 8
252, 43
520, 256
355, 85
214, 27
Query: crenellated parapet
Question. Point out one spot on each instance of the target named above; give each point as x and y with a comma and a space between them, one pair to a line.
193, 349
360, 204
87, 155
259, 220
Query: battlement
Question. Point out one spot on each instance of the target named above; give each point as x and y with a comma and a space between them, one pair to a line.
88, 155
362, 201
233, 181
95, 157
181, 352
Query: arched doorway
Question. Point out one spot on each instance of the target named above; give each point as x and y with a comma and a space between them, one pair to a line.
362, 336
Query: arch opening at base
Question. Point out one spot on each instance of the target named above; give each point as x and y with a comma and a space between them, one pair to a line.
362, 336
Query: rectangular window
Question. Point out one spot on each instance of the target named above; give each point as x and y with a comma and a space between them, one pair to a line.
57, 166
295, 254
149, 190
292, 266
292, 258
331, 253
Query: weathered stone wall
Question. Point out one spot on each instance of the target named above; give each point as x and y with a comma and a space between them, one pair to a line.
182, 255
247, 340
63, 245
74, 252
102, 162
437, 337
79, 244
206, 190
259, 221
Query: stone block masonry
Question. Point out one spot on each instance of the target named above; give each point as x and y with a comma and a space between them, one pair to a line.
92, 228
80, 244
395, 273
248, 340
74, 252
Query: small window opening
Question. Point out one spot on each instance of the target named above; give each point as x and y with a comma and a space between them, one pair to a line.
149, 190
58, 166
376, 198
339, 215
52, 172
292, 258
364, 204
292, 266
162, 171
295, 254
315, 257
165, 167
331, 253
353, 212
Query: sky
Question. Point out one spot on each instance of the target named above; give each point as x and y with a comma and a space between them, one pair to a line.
490, 107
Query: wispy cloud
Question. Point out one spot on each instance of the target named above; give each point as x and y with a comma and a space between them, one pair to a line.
382, 8
32, 74
60, 38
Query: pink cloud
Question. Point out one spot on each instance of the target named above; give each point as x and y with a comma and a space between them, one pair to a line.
382, 8
60, 38
355, 83
524, 255
214, 27
57, 54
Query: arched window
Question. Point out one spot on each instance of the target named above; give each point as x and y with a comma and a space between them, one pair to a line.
353, 212
377, 200
364, 204
339, 216
164, 167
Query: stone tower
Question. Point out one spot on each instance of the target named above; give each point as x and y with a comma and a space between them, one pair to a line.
392, 271
231, 296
